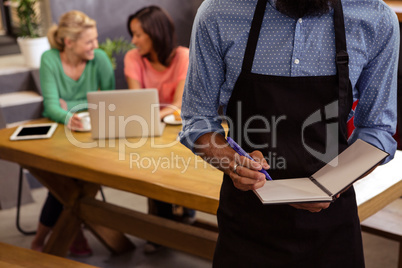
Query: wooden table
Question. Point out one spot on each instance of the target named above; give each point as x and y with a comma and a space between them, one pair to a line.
56, 161
73, 167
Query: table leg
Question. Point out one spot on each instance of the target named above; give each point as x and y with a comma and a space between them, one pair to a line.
115, 241
70, 192
63, 234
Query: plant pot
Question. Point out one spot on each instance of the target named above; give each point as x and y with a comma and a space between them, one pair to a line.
32, 49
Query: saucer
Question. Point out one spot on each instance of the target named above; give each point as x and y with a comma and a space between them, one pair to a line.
170, 120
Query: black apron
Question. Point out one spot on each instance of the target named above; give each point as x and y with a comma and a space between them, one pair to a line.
256, 235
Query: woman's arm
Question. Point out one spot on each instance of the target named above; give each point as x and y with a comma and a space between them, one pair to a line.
132, 69
133, 83
50, 90
177, 99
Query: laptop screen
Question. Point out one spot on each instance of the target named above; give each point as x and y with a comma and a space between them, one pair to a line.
124, 113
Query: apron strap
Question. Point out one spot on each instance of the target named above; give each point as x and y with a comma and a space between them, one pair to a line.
342, 57
339, 25
253, 36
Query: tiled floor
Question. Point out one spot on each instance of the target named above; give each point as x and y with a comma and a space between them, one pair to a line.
379, 252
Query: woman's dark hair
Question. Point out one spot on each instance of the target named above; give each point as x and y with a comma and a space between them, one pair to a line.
157, 23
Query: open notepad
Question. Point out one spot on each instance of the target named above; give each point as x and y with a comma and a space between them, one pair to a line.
326, 183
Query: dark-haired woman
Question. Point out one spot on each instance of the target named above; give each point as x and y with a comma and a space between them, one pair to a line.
157, 62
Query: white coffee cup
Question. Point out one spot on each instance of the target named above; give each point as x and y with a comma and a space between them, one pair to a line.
86, 122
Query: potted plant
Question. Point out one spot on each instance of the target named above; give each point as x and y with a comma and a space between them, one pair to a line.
30, 40
114, 47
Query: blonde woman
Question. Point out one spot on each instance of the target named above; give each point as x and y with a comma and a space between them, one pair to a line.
73, 67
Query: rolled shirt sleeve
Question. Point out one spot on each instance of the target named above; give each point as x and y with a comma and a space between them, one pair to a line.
205, 77
376, 89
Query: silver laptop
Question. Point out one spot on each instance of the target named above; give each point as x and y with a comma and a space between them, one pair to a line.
124, 113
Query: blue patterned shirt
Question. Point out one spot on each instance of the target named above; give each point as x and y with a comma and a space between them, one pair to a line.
293, 47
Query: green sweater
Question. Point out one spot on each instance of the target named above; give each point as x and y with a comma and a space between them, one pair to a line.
55, 84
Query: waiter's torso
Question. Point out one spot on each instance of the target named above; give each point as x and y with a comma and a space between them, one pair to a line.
269, 113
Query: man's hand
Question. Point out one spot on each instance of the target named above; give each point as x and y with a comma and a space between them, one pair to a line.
245, 172
313, 207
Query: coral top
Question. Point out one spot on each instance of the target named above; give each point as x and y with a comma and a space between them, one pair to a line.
140, 69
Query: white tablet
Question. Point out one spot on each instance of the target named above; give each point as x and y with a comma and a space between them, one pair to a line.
34, 131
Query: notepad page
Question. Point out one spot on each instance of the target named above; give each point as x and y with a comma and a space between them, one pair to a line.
350, 165
291, 191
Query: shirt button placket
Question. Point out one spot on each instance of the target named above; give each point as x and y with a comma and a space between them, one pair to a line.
298, 47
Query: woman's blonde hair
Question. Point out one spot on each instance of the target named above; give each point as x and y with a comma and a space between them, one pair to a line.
71, 25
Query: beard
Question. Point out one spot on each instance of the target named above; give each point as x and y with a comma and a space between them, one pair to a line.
301, 8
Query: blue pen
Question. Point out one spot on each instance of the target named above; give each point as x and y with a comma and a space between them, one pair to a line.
241, 152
